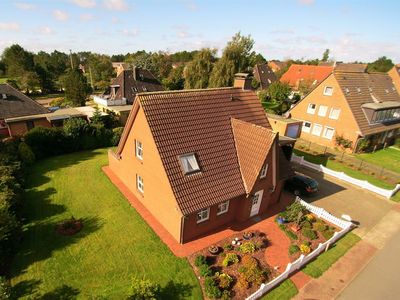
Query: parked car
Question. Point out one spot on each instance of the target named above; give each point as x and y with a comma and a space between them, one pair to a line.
301, 185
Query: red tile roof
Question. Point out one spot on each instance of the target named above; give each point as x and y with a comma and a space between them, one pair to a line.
252, 143
306, 73
199, 121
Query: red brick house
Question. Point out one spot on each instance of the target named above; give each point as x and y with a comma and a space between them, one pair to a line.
199, 160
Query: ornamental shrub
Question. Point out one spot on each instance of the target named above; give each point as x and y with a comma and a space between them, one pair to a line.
26, 154
117, 133
310, 218
327, 234
293, 249
200, 260
230, 258
228, 246
5, 289
143, 289
306, 224
225, 281
205, 271
247, 248
320, 226
309, 233
305, 249
251, 271
291, 212
211, 289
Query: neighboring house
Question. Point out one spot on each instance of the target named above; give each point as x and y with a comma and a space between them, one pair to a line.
354, 105
264, 75
124, 88
394, 73
13, 104
199, 160
305, 76
18, 126
276, 65
352, 68
119, 67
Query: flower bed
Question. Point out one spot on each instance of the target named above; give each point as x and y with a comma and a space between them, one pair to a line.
305, 230
238, 268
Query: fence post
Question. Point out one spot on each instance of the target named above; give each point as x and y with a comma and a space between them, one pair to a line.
341, 158
382, 172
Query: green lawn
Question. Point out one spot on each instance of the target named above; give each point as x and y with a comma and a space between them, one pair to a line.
285, 291
337, 166
3, 79
324, 261
388, 158
114, 245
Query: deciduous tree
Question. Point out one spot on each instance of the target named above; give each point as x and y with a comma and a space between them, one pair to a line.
197, 72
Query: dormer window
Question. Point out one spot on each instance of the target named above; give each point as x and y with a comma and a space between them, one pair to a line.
4, 96
264, 171
189, 163
328, 91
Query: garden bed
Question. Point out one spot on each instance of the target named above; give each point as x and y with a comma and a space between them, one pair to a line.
237, 270
305, 230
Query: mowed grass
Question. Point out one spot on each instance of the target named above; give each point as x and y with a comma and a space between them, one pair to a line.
114, 245
388, 158
285, 291
324, 261
3, 79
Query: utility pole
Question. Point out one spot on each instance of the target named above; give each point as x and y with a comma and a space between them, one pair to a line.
70, 57
91, 78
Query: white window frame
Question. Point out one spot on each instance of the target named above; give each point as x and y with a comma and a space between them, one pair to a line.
203, 217
333, 117
139, 149
316, 125
223, 208
325, 130
139, 183
322, 113
264, 170
311, 111
303, 127
328, 93
189, 159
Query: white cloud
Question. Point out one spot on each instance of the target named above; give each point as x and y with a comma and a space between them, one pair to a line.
306, 2
190, 4
60, 15
24, 6
12, 26
115, 4
132, 32
46, 30
85, 3
86, 17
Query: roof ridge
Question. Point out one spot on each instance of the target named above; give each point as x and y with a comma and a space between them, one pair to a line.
186, 91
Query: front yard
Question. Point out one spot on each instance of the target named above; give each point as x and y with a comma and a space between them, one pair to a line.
388, 158
114, 245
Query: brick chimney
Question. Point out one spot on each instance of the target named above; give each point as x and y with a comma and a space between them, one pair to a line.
242, 80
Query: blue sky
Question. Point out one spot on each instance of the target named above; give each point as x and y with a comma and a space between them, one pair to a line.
352, 29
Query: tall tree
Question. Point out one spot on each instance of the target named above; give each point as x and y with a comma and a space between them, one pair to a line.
325, 55
17, 60
382, 64
197, 72
175, 80
76, 87
236, 57
275, 98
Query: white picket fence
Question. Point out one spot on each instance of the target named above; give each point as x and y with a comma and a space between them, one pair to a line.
342, 176
304, 259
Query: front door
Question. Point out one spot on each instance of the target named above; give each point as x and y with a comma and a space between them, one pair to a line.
256, 202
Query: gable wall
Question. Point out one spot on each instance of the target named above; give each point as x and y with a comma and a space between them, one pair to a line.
395, 77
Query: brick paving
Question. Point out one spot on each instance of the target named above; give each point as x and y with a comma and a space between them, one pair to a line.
276, 253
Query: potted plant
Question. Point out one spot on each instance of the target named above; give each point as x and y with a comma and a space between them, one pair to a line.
247, 235
213, 249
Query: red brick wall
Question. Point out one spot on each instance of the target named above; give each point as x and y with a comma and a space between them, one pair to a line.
20, 128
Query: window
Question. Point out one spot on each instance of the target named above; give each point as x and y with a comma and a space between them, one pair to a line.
322, 110
311, 108
203, 215
334, 114
264, 171
328, 133
30, 125
328, 91
317, 129
223, 208
306, 127
189, 163
139, 183
139, 150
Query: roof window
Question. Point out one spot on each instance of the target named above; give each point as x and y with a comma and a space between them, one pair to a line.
189, 163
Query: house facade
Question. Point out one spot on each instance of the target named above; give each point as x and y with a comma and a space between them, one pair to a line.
199, 160
394, 73
362, 108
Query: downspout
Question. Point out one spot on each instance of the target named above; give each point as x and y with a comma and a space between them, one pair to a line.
358, 141
182, 227
274, 164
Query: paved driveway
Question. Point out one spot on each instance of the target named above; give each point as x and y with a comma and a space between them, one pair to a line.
340, 198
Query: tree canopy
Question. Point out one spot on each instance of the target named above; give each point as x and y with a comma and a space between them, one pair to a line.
382, 64
275, 98
197, 72
76, 87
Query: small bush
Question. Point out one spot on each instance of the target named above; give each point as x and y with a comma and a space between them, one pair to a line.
305, 249
225, 281
230, 258
319, 226
205, 271
143, 289
327, 234
226, 295
290, 234
26, 154
5, 289
251, 271
308, 233
293, 249
306, 224
291, 212
228, 247
200, 260
211, 289
307, 243
247, 248
117, 133
310, 218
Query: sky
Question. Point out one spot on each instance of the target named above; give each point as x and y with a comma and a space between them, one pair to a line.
361, 30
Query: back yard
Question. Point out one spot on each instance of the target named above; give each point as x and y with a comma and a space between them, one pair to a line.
114, 245
388, 158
